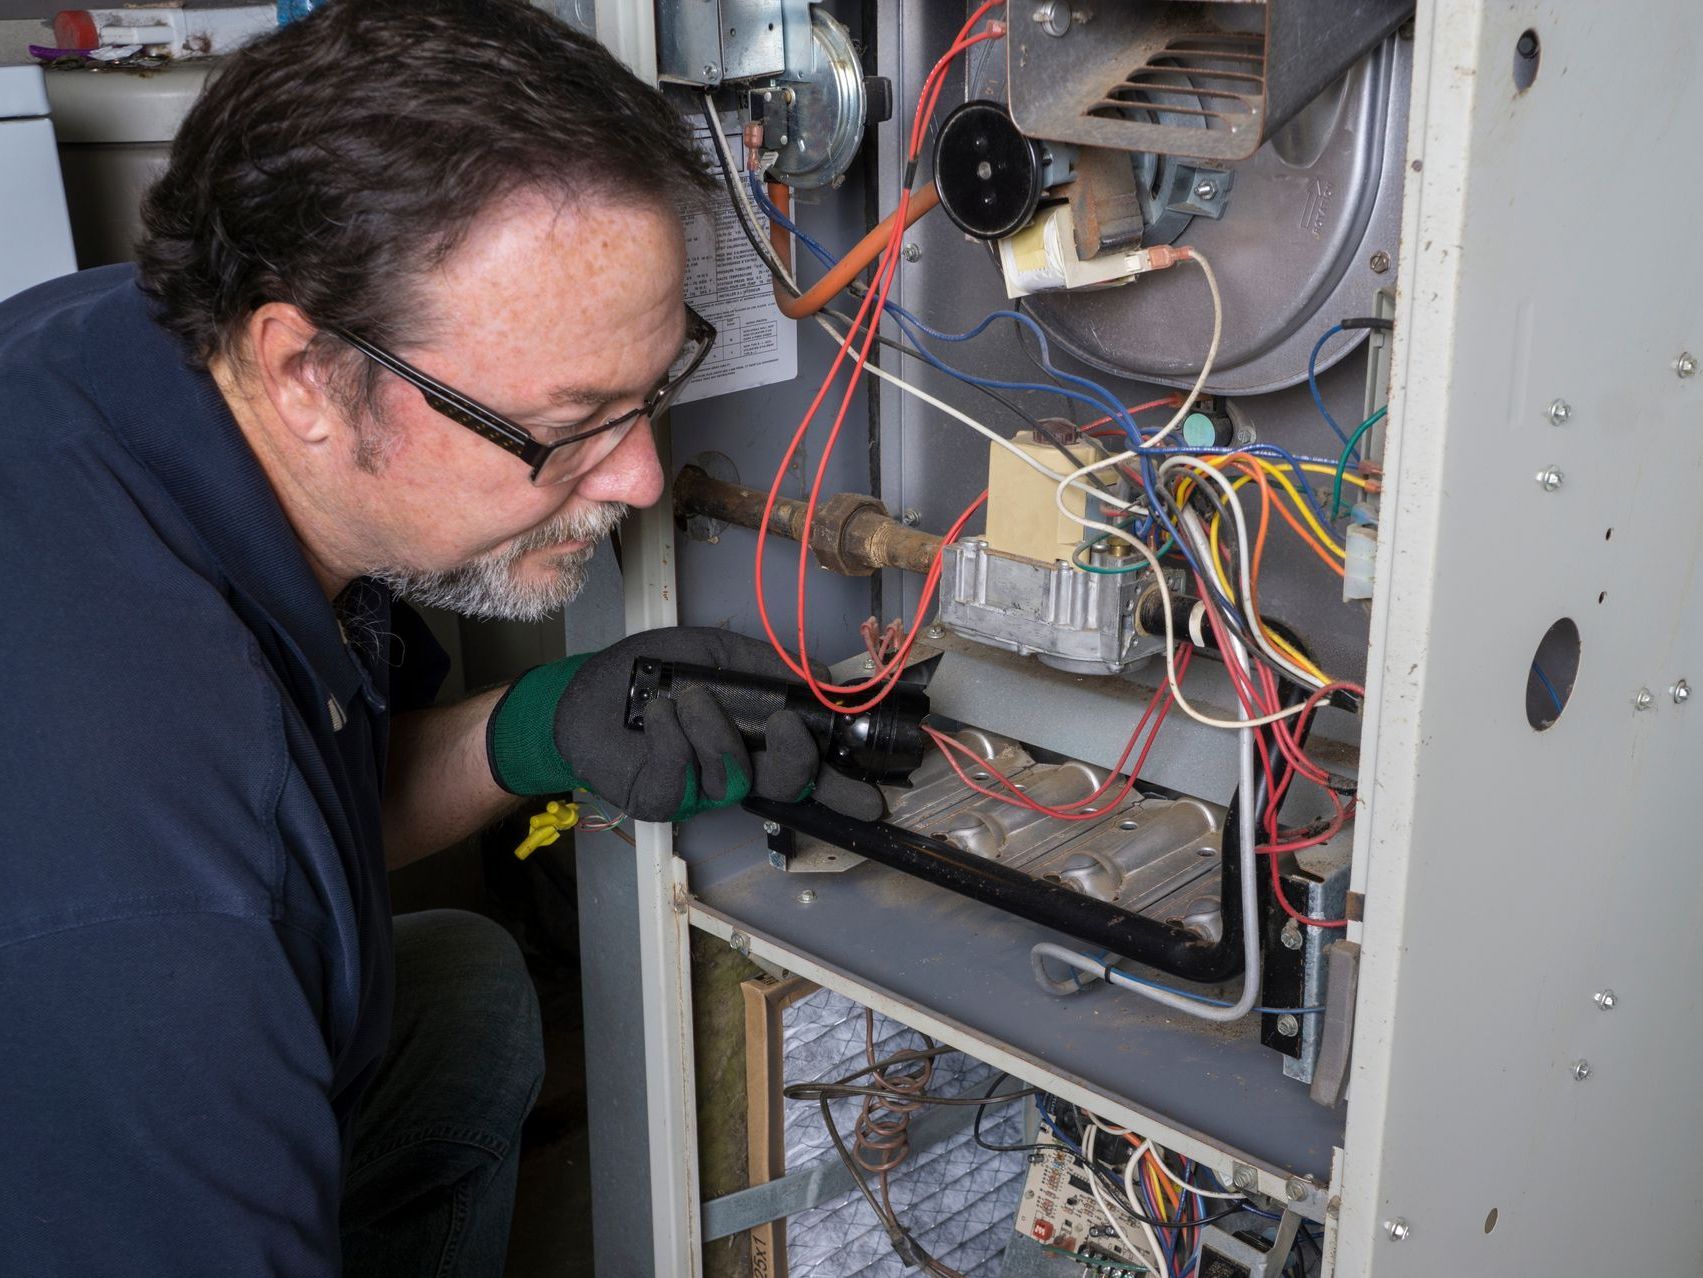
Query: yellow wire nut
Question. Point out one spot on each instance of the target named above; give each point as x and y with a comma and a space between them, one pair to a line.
547, 826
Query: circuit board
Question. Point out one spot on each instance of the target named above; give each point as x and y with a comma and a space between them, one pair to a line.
1058, 1210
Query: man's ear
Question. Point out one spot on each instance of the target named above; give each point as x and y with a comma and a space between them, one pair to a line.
279, 338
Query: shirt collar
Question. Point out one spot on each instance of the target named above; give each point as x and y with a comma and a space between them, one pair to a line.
173, 418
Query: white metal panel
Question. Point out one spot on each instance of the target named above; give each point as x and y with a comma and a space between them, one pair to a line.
1510, 874
664, 935
35, 232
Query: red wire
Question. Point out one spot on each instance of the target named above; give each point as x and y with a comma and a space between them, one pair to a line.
1290, 910
1164, 401
1258, 707
884, 281
876, 298
1162, 700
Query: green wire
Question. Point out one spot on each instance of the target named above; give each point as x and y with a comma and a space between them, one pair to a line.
1342, 465
1085, 547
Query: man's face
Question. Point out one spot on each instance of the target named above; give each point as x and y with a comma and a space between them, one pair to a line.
559, 317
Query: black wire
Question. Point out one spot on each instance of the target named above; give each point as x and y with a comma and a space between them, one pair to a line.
988, 1098
1042, 431
765, 255
761, 249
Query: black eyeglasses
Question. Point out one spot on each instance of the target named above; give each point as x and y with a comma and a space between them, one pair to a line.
560, 460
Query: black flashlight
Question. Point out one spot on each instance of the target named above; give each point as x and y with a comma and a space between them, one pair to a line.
882, 746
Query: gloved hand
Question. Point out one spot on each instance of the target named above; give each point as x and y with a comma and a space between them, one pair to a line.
563, 727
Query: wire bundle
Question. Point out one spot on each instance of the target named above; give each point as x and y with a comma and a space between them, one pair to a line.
1158, 498
898, 1087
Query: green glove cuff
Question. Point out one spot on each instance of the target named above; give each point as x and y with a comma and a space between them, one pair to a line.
520, 738
694, 802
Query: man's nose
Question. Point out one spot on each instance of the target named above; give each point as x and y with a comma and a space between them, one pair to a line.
632, 473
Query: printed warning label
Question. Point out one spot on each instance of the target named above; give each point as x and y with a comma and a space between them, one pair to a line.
728, 285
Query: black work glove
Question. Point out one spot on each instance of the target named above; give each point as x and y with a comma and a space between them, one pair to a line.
563, 727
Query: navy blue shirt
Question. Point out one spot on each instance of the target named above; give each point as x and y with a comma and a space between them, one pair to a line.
195, 966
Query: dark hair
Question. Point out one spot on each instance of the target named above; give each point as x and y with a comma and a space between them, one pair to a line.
332, 164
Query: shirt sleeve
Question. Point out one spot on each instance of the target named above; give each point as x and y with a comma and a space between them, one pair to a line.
165, 1101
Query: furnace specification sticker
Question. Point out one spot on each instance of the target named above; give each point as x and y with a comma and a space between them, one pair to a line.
728, 285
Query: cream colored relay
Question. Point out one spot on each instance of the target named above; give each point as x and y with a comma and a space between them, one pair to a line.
1022, 516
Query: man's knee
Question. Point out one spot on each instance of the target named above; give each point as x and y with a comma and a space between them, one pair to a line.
466, 1002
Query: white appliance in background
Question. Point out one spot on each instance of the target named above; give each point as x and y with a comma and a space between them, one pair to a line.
115, 130
35, 233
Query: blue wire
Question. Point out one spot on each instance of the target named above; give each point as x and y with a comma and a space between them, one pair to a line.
1108, 403
1548, 687
1106, 958
1313, 384
909, 322
781, 220
1100, 399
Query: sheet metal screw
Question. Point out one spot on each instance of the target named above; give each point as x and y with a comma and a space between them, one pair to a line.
1681, 692
1296, 1188
1550, 478
1206, 189
1397, 1229
1053, 17
1560, 412
1380, 262
1581, 1070
807, 896
739, 943
869, 663
1288, 1026
936, 631
1291, 936
771, 827
1686, 364
1644, 700
711, 71
911, 252
1604, 999
1245, 1177
911, 517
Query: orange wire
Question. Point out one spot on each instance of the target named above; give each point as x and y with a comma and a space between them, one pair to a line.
877, 297
848, 267
1301, 530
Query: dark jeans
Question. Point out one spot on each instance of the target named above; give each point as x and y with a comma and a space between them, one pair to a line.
430, 1187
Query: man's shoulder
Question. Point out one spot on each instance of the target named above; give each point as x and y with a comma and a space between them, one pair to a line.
58, 334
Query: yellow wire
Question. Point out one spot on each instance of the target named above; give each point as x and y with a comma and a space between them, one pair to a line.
1305, 511
1220, 570
1278, 473
1315, 468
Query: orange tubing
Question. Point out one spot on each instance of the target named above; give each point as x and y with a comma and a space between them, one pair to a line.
848, 267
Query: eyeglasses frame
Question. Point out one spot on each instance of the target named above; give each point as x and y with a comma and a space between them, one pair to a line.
508, 434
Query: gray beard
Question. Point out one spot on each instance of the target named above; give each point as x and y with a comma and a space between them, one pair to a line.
485, 588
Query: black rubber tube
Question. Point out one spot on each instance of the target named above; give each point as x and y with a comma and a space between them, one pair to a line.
1167, 946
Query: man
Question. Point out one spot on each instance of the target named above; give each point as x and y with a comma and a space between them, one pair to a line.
215, 473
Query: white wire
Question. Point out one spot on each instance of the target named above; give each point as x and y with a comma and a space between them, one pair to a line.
1199, 259
1106, 1127
1203, 549
1163, 588
1183, 409
1111, 1215
1159, 1157
742, 198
